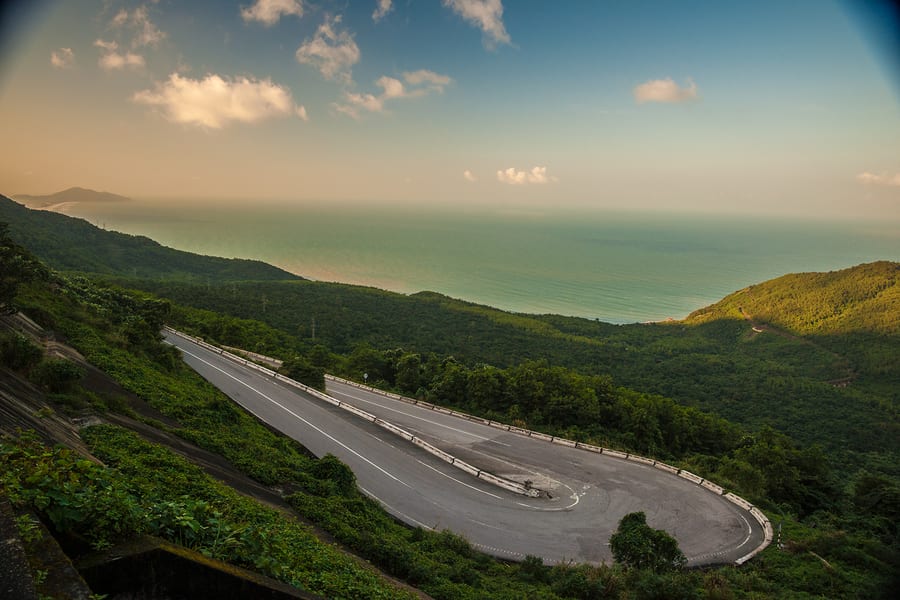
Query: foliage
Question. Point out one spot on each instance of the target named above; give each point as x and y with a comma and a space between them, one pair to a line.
718, 364
16, 266
151, 490
57, 375
17, 352
300, 369
839, 527
637, 545
67, 243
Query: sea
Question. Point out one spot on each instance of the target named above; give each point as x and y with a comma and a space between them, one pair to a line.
617, 267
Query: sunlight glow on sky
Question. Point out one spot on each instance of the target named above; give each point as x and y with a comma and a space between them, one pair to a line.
767, 107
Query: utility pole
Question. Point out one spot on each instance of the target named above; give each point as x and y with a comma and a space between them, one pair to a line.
264, 302
314, 329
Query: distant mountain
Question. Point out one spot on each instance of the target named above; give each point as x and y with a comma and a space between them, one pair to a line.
69, 244
73, 194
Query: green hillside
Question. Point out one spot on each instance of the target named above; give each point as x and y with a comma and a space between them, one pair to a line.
69, 244
719, 365
840, 526
865, 298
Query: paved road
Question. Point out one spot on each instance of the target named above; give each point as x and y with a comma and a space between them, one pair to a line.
589, 492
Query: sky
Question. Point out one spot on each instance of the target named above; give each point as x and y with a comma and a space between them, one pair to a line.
765, 107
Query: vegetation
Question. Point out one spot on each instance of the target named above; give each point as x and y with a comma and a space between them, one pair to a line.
66, 243
638, 546
838, 526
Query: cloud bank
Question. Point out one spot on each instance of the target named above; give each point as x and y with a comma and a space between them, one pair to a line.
487, 15
537, 175
665, 90
214, 101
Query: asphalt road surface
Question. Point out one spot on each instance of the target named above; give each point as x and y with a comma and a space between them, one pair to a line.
588, 493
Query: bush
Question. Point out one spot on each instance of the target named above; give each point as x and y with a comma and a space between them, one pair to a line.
637, 545
17, 352
57, 375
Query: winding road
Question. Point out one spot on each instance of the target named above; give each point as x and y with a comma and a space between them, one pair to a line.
588, 493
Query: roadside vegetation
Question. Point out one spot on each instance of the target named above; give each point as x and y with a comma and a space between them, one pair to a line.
838, 522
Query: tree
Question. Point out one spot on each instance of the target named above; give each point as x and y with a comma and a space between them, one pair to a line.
16, 266
300, 369
637, 545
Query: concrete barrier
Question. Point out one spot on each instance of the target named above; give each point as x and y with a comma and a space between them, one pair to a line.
713, 487
502, 482
665, 467
564, 442
615, 453
589, 447
739, 501
690, 476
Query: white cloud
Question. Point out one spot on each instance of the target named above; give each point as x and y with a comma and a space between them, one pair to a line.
516, 177
108, 46
331, 50
301, 112
113, 60
215, 101
62, 58
485, 14
431, 81
120, 19
469, 176
883, 179
382, 8
665, 90
145, 32
268, 12
418, 84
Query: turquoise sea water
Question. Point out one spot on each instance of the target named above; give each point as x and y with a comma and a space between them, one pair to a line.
616, 267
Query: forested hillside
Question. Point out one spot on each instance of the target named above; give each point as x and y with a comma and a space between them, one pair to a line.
840, 525
71, 244
720, 365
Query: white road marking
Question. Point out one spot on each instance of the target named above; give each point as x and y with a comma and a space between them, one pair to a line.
298, 417
408, 518
749, 530
458, 481
462, 431
574, 497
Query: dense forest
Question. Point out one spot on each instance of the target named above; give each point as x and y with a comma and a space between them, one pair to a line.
752, 400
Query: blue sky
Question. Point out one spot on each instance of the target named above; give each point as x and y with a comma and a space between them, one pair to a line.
712, 106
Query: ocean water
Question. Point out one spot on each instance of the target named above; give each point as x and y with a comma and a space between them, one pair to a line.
615, 267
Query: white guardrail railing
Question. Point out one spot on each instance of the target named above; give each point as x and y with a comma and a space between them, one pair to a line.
502, 482
757, 514
508, 484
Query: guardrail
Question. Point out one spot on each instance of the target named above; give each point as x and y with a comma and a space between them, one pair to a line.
502, 482
757, 514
